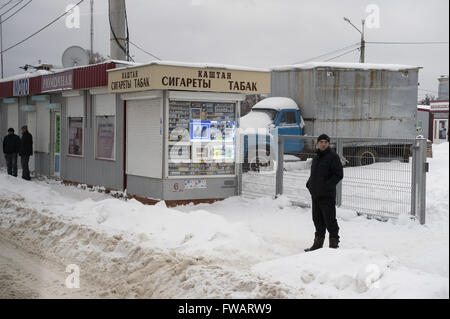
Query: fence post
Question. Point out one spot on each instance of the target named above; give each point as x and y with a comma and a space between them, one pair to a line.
423, 165
280, 166
414, 176
239, 178
340, 152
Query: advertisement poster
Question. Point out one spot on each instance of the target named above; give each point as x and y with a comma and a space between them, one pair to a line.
200, 131
75, 136
105, 140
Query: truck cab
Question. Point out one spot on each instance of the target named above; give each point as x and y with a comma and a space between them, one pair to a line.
267, 118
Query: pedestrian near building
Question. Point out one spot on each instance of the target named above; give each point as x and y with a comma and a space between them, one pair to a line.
26, 150
326, 173
11, 147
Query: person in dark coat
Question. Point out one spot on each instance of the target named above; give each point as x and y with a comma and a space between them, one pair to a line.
326, 173
11, 146
26, 150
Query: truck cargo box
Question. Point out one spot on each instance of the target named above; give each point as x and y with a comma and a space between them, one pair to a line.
352, 99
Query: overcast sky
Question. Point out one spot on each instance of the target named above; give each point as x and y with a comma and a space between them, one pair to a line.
259, 33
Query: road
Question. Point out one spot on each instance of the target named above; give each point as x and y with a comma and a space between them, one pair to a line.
27, 275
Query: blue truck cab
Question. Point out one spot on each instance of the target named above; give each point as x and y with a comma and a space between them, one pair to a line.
274, 114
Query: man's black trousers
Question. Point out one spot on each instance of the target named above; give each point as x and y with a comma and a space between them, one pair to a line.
11, 163
25, 169
324, 217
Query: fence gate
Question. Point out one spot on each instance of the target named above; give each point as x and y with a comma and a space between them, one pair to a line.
383, 178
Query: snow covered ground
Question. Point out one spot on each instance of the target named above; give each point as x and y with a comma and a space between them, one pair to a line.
237, 248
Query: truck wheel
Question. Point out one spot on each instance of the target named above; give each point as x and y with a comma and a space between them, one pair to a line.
255, 162
366, 156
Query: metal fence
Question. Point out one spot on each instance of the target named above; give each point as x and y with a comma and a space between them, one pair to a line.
383, 178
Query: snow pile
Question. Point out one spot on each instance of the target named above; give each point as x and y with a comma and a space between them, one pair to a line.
237, 248
254, 120
353, 273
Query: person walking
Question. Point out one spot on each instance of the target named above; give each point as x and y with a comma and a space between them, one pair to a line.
26, 150
326, 173
11, 146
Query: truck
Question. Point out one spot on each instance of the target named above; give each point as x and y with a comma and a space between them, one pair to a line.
373, 101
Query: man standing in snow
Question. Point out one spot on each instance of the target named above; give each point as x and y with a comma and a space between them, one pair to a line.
326, 173
11, 146
26, 150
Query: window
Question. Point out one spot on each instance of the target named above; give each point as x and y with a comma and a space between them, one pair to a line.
76, 136
289, 118
201, 138
105, 126
105, 147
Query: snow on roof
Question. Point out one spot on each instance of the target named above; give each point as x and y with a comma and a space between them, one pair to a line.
255, 120
202, 65
343, 65
424, 107
55, 70
276, 103
25, 75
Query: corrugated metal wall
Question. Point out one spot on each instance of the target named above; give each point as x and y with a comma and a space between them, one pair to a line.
3, 129
352, 102
6, 89
91, 76
35, 85
88, 170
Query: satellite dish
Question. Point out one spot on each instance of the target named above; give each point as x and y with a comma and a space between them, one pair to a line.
75, 56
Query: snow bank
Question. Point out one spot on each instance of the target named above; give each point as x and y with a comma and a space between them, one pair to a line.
353, 273
236, 248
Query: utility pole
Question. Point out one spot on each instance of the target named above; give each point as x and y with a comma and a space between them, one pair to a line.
362, 57
118, 41
91, 58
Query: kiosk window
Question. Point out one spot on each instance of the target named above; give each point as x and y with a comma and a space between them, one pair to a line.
105, 145
201, 138
76, 136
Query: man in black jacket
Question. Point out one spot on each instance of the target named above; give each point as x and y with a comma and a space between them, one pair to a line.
26, 150
326, 173
11, 146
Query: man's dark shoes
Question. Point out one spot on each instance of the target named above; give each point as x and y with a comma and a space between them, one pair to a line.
334, 243
318, 243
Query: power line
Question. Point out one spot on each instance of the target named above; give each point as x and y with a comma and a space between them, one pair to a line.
408, 43
345, 53
329, 53
12, 7
151, 54
6, 4
43, 28
12, 15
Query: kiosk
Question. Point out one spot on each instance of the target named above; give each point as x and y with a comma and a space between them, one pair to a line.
181, 121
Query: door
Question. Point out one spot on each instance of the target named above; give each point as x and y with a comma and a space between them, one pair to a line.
31, 123
289, 124
56, 145
441, 129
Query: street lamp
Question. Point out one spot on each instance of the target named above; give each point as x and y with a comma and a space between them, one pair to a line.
363, 42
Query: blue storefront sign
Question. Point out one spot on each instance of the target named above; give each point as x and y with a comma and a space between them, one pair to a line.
21, 87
